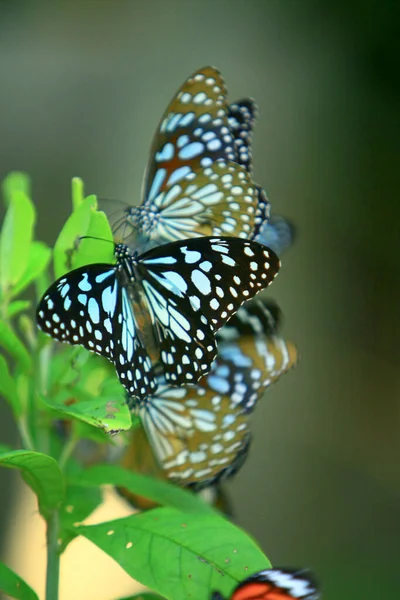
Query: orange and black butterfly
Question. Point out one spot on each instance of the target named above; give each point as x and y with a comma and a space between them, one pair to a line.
275, 584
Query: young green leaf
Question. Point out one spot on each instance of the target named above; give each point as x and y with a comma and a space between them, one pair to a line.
78, 504
111, 415
15, 587
15, 239
7, 387
179, 555
78, 192
143, 596
154, 489
41, 473
70, 252
38, 259
15, 181
75, 227
100, 250
13, 345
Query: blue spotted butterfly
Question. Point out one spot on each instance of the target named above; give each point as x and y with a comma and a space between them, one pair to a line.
162, 308
199, 434
197, 181
275, 584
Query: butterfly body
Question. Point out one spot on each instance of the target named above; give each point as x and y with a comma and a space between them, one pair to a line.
164, 306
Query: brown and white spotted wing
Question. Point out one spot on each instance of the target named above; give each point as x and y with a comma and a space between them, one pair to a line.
193, 132
217, 200
195, 433
186, 192
200, 434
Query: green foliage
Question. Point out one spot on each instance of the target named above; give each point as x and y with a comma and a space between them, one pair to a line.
12, 585
205, 552
143, 596
66, 400
42, 473
150, 488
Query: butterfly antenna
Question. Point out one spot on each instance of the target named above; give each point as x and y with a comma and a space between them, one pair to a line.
92, 237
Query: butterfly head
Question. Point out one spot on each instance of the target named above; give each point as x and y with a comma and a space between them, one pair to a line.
122, 253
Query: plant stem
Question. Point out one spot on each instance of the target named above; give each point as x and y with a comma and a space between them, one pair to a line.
26, 438
53, 557
67, 451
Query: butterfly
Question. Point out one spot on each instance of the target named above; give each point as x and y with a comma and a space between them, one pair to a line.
199, 434
197, 181
275, 584
164, 306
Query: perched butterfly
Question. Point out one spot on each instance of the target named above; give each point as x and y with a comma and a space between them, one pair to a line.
164, 306
198, 180
275, 584
200, 434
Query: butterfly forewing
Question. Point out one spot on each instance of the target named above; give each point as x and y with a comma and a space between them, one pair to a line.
193, 132
90, 307
192, 289
276, 584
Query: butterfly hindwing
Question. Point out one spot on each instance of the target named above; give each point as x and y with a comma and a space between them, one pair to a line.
277, 233
241, 117
217, 200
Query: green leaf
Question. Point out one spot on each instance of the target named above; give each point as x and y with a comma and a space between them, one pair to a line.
179, 555
66, 243
159, 491
110, 415
78, 504
15, 181
143, 596
38, 259
8, 388
68, 248
15, 587
17, 307
78, 192
41, 473
13, 345
101, 249
15, 240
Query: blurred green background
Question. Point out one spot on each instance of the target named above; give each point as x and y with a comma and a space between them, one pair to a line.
83, 86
